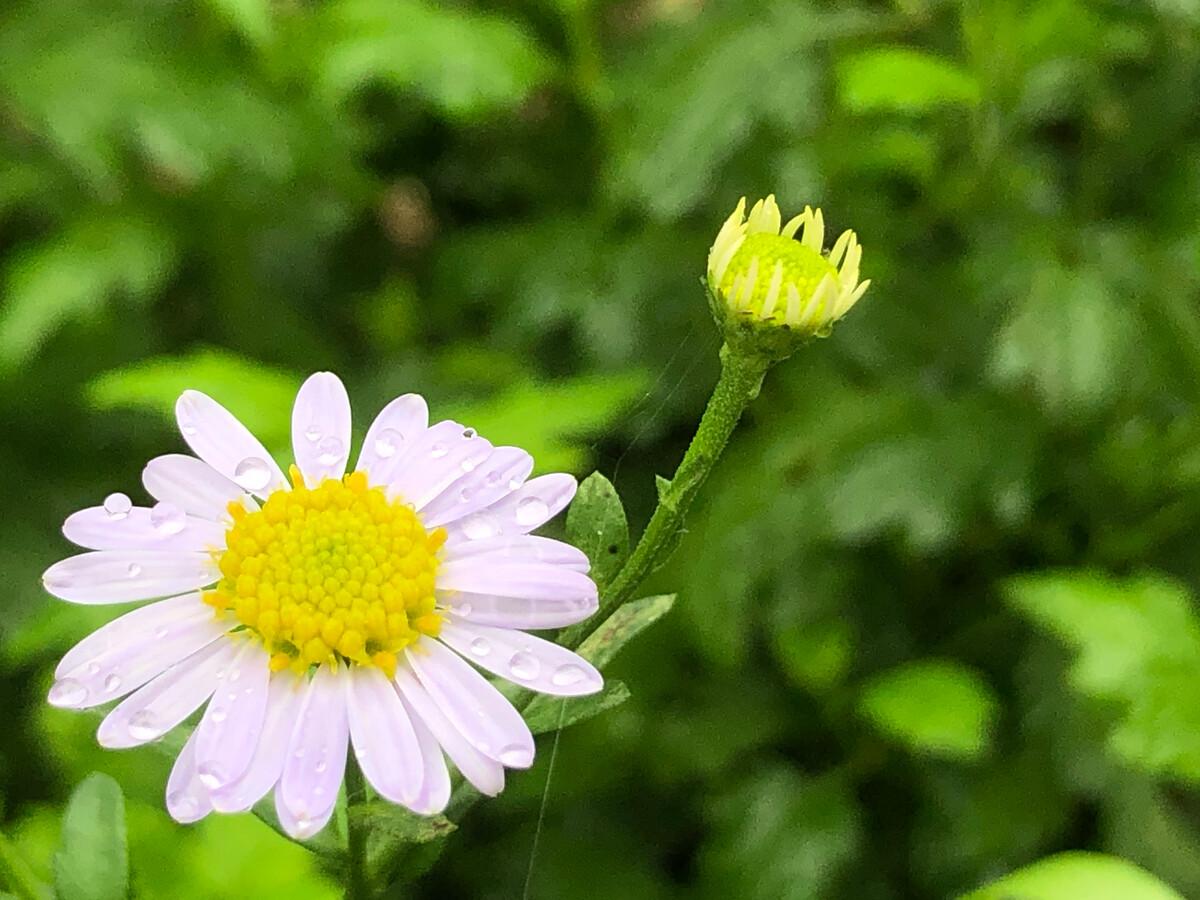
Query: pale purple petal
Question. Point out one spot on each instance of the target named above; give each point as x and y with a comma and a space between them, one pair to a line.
384, 741
285, 701
523, 659
187, 798
480, 713
435, 787
155, 709
127, 652
123, 576
321, 428
437, 459
391, 434
228, 734
530, 506
496, 477
191, 484
316, 758
521, 548
166, 527
535, 581
518, 612
223, 442
484, 773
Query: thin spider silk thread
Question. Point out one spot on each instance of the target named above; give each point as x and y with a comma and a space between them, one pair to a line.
537, 834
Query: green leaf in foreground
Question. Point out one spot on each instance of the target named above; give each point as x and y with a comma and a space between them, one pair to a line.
92, 862
1077, 875
546, 713
596, 524
937, 707
626, 623
1138, 641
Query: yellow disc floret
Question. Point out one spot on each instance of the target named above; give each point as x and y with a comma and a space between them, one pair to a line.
770, 262
334, 571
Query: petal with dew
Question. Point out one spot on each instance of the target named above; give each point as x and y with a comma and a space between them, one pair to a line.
518, 612
228, 734
447, 452
316, 758
503, 472
143, 529
123, 576
385, 743
321, 428
191, 484
187, 798
534, 581
523, 659
536, 502
435, 787
520, 548
223, 442
394, 430
153, 710
476, 709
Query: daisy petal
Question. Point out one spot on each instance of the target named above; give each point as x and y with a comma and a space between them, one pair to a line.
476, 709
187, 798
523, 659
162, 528
532, 505
391, 434
436, 460
521, 548
285, 701
518, 612
316, 758
127, 652
321, 428
123, 576
498, 476
223, 442
484, 773
191, 484
155, 709
435, 788
228, 733
385, 744
532, 581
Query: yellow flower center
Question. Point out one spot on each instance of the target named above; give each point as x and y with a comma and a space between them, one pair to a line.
336, 571
803, 268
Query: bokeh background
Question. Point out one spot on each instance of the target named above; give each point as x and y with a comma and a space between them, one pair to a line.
936, 612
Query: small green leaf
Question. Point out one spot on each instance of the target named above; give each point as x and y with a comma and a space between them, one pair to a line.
901, 79
623, 626
92, 862
934, 706
1077, 875
546, 713
596, 524
391, 827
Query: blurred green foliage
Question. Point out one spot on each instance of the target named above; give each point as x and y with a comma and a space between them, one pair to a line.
936, 612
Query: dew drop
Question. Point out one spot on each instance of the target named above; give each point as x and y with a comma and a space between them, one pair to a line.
469, 433
468, 465
161, 632
143, 726
167, 518
568, 675
321, 767
182, 804
117, 506
93, 668
303, 823
466, 494
111, 683
252, 473
330, 451
134, 570
515, 756
492, 478
388, 443
313, 432
437, 451
67, 692
235, 674
209, 779
464, 610
219, 714
299, 754
479, 527
514, 484
532, 511
524, 666
481, 647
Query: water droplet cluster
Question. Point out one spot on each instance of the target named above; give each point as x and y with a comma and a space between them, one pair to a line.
337, 570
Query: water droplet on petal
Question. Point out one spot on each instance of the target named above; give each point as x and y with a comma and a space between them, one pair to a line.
67, 692
479, 527
388, 443
532, 511
568, 675
312, 432
112, 682
161, 632
303, 823
515, 756
93, 668
464, 610
167, 518
437, 451
219, 714
481, 647
252, 473
466, 494
321, 767
134, 570
144, 726
492, 477
182, 805
524, 666
469, 433
514, 484
330, 451
117, 506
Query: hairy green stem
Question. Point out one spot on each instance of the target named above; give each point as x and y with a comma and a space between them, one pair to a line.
357, 883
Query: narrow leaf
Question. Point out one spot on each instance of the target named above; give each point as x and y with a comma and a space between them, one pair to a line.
622, 626
546, 713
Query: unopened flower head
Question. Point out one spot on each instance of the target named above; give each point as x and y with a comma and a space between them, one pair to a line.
317, 610
764, 272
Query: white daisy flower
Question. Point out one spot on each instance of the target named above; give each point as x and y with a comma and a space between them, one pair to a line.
326, 610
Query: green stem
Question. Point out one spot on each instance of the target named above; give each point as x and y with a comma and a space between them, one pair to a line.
741, 377
17, 877
357, 884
